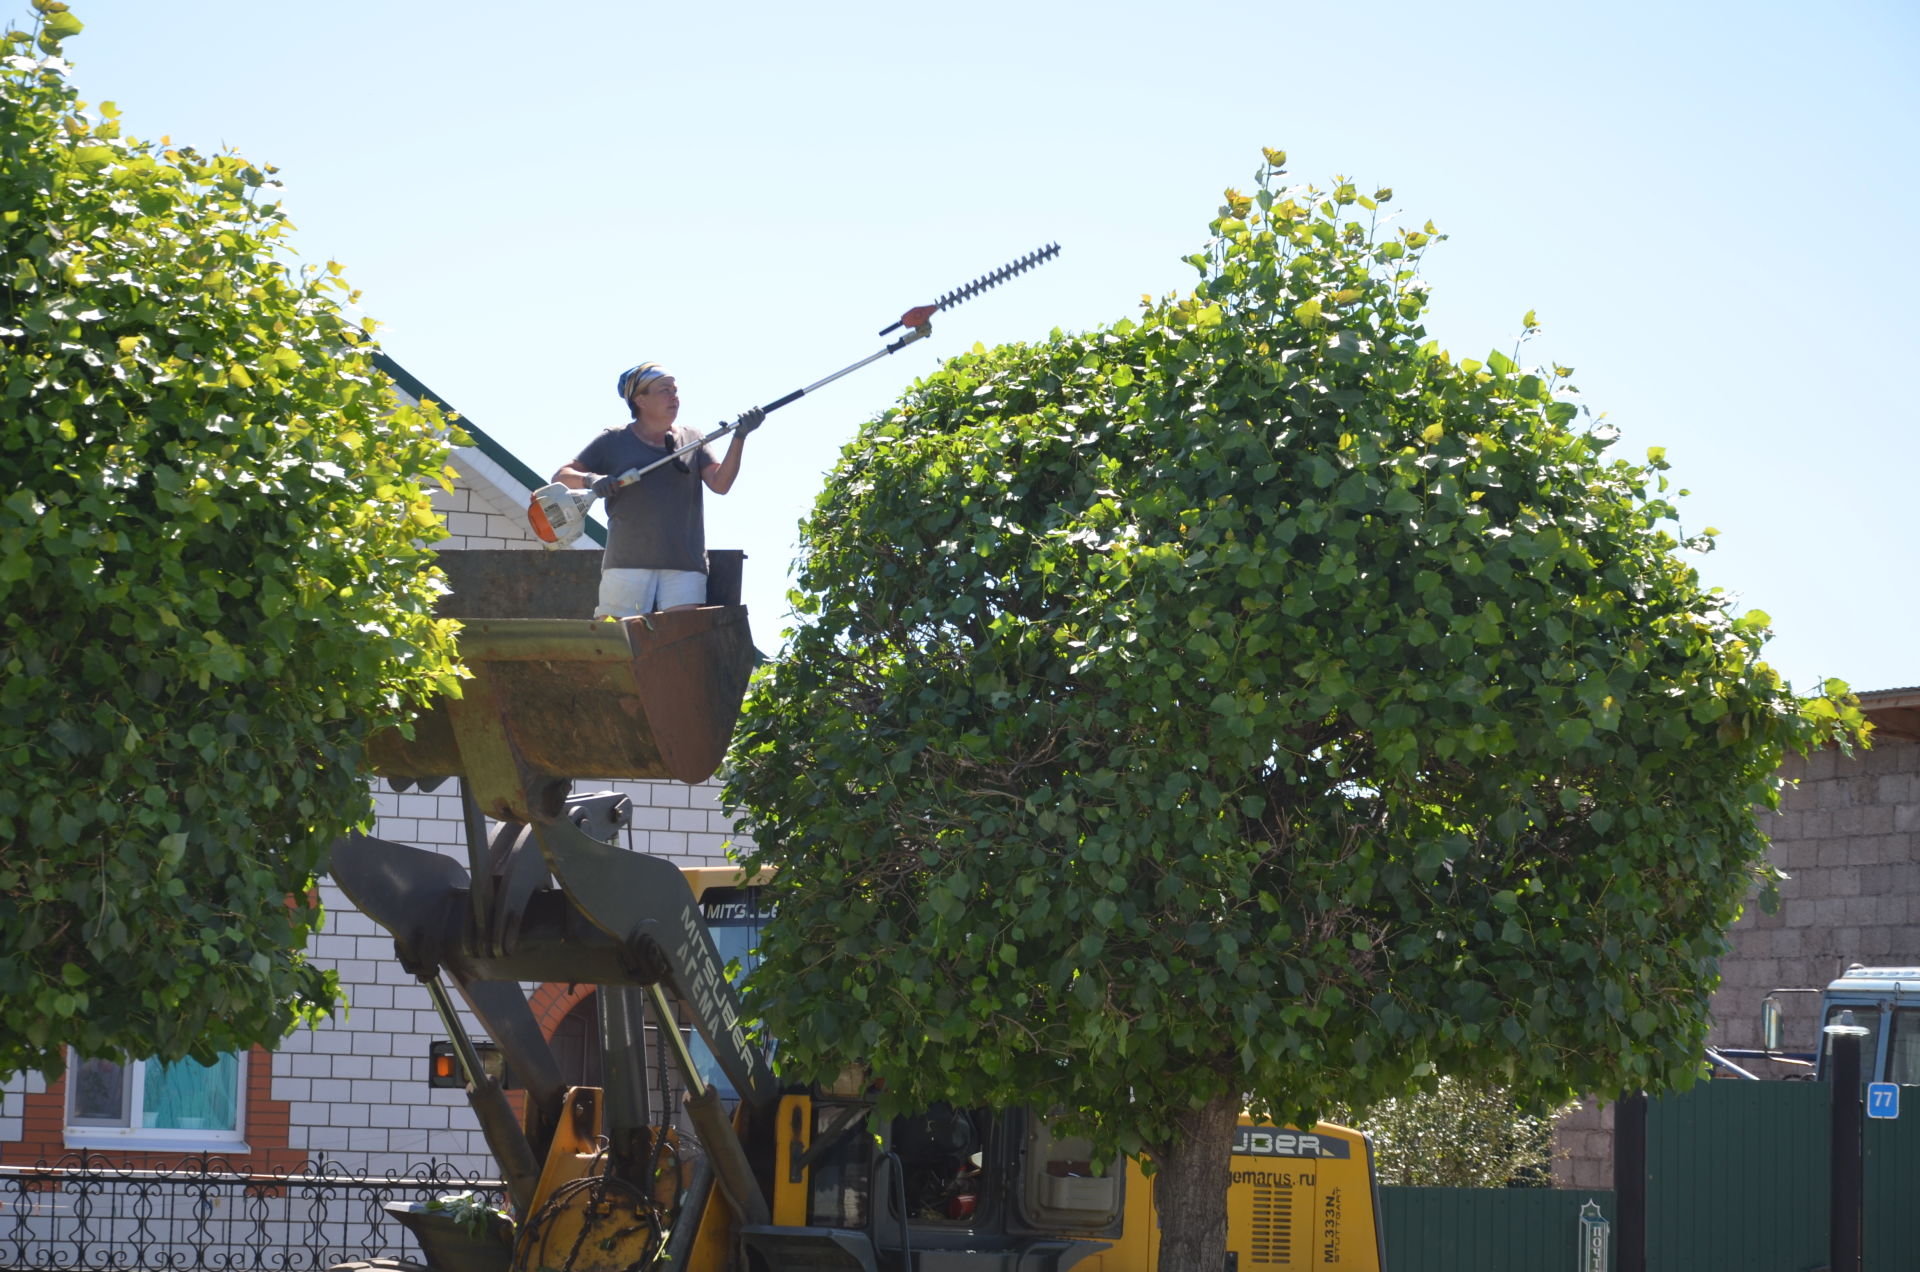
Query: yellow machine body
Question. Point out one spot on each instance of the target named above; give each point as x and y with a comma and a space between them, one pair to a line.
1298, 1200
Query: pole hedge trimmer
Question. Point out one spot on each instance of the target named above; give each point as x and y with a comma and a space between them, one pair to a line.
558, 513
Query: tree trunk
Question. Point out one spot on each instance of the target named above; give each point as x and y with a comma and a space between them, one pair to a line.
1190, 1188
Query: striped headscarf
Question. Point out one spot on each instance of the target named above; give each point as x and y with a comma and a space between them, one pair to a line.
633, 379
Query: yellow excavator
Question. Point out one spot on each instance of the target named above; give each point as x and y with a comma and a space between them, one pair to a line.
740, 1173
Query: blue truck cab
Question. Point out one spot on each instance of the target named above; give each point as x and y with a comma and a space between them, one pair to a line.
1885, 1001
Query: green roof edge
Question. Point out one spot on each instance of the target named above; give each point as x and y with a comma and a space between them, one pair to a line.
493, 450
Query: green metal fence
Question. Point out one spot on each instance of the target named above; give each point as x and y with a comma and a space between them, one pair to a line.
1485, 1229
1890, 1239
1737, 1181
1737, 1178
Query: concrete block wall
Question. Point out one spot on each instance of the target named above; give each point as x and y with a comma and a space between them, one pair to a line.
1848, 838
1583, 1147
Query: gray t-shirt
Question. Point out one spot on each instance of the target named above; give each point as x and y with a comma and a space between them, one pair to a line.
656, 523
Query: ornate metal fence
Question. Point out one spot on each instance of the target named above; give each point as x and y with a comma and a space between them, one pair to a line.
83, 1214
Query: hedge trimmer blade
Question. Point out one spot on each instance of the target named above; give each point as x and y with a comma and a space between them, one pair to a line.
558, 515
920, 314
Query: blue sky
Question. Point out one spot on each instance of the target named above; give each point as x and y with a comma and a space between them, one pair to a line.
1711, 206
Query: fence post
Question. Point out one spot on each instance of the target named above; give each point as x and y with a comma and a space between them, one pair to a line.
1847, 1184
1630, 1182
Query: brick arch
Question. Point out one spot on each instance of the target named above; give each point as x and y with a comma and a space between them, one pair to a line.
552, 1001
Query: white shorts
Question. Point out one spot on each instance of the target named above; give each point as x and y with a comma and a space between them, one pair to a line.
625, 593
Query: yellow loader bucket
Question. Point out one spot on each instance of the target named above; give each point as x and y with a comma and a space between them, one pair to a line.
554, 699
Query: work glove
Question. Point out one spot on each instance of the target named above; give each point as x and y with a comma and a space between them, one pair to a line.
601, 486
749, 420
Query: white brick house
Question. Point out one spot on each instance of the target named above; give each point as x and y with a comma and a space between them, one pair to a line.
353, 1091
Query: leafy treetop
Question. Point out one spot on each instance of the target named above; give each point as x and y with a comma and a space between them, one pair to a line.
1255, 698
213, 582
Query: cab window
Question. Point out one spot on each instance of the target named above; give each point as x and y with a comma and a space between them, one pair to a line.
1866, 1016
1903, 1047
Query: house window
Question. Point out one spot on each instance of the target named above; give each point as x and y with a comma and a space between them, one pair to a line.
150, 1103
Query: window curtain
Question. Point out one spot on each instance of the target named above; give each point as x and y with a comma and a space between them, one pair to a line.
189, 1096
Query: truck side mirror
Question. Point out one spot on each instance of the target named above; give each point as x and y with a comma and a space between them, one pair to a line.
1772, 1025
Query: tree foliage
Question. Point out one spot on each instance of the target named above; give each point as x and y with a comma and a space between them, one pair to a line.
1254, 698
1458, 1133
213, 581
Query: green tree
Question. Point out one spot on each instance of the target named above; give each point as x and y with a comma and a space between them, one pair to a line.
1458, 1133
1253, 703
213, 582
